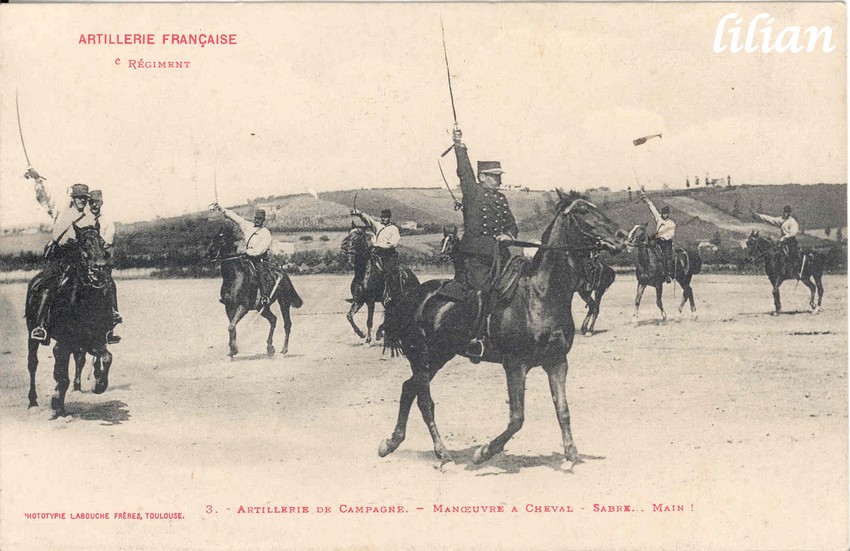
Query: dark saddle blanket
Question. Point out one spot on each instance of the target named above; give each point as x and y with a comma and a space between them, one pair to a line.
499, 288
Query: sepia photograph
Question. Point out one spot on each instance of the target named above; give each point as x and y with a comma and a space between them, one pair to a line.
403, 276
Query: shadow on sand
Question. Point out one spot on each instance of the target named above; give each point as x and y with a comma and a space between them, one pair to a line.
506, 463
113, 412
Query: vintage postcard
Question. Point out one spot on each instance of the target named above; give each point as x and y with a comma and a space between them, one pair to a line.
423, 276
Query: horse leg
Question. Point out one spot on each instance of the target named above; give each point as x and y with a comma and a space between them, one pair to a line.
658, 292
557, 372
595, 311
272, 319
287, 325
808, 283
32, 365
587, 297
408, 393
62, 358
422, 386
370, 309
777, 303
819, 285
640, 289
79, 363
231, 328
515, 373
102, 363
355, 306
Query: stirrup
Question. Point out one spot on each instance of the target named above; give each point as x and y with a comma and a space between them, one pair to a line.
474, 356
39, 334
112, 338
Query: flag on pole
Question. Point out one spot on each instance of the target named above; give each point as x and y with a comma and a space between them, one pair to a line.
641, 141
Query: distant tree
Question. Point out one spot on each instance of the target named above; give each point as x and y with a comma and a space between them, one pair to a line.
687, 183
827, 231
735, 209
728, 181
324, 238
696, 180
306, 238
630, 192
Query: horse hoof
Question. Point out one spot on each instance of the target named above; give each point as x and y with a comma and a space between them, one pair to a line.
774, 313
482, 454
368, 340
284, 351
386, 447
360, 334
270, 351
587, 333
101, 385
33, 404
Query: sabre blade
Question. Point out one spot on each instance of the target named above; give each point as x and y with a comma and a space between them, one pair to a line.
448, 73
20, 130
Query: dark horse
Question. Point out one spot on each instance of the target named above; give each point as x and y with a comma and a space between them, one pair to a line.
779, 267
368, 287
80, 317
239, 292
650, 270
531, 326
590, 287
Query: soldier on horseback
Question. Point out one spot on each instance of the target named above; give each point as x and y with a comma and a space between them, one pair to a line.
77, 214
385, 239
487, 223
106, 227
258, 239
789, 227
665, 230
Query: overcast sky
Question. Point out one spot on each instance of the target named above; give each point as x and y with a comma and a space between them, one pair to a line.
337, 96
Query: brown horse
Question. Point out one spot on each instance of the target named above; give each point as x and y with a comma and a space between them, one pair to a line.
594, 281
649, 271
368, 285
239, 292
531, 327
779, 267
80, 317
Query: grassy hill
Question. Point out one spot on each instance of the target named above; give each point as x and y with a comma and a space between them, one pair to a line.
314, 226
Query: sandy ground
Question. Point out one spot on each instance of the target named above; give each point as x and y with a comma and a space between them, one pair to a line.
734, 425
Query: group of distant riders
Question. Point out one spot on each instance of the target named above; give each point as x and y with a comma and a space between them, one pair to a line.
489, 227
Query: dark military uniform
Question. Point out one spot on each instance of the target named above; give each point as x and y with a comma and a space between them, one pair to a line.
486, 214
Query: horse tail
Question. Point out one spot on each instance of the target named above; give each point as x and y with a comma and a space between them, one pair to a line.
288, 293
696, 262
393, 325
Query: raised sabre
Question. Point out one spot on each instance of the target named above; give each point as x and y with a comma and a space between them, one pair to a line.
449, 77
20, 131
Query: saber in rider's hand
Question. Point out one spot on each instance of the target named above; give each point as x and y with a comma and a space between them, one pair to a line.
449, 77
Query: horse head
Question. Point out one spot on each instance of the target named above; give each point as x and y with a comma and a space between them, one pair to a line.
221, 245
357, 242
579, 224
756, 246
638, 236
450, 243
91, 256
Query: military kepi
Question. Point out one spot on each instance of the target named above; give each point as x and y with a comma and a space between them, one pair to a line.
96, 195
490, 167
260, 213
80, 190
386, 213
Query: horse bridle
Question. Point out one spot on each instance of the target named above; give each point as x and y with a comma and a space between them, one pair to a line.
86, 277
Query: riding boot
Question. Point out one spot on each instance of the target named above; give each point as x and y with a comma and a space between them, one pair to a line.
475, 348
113, 296
39, 333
